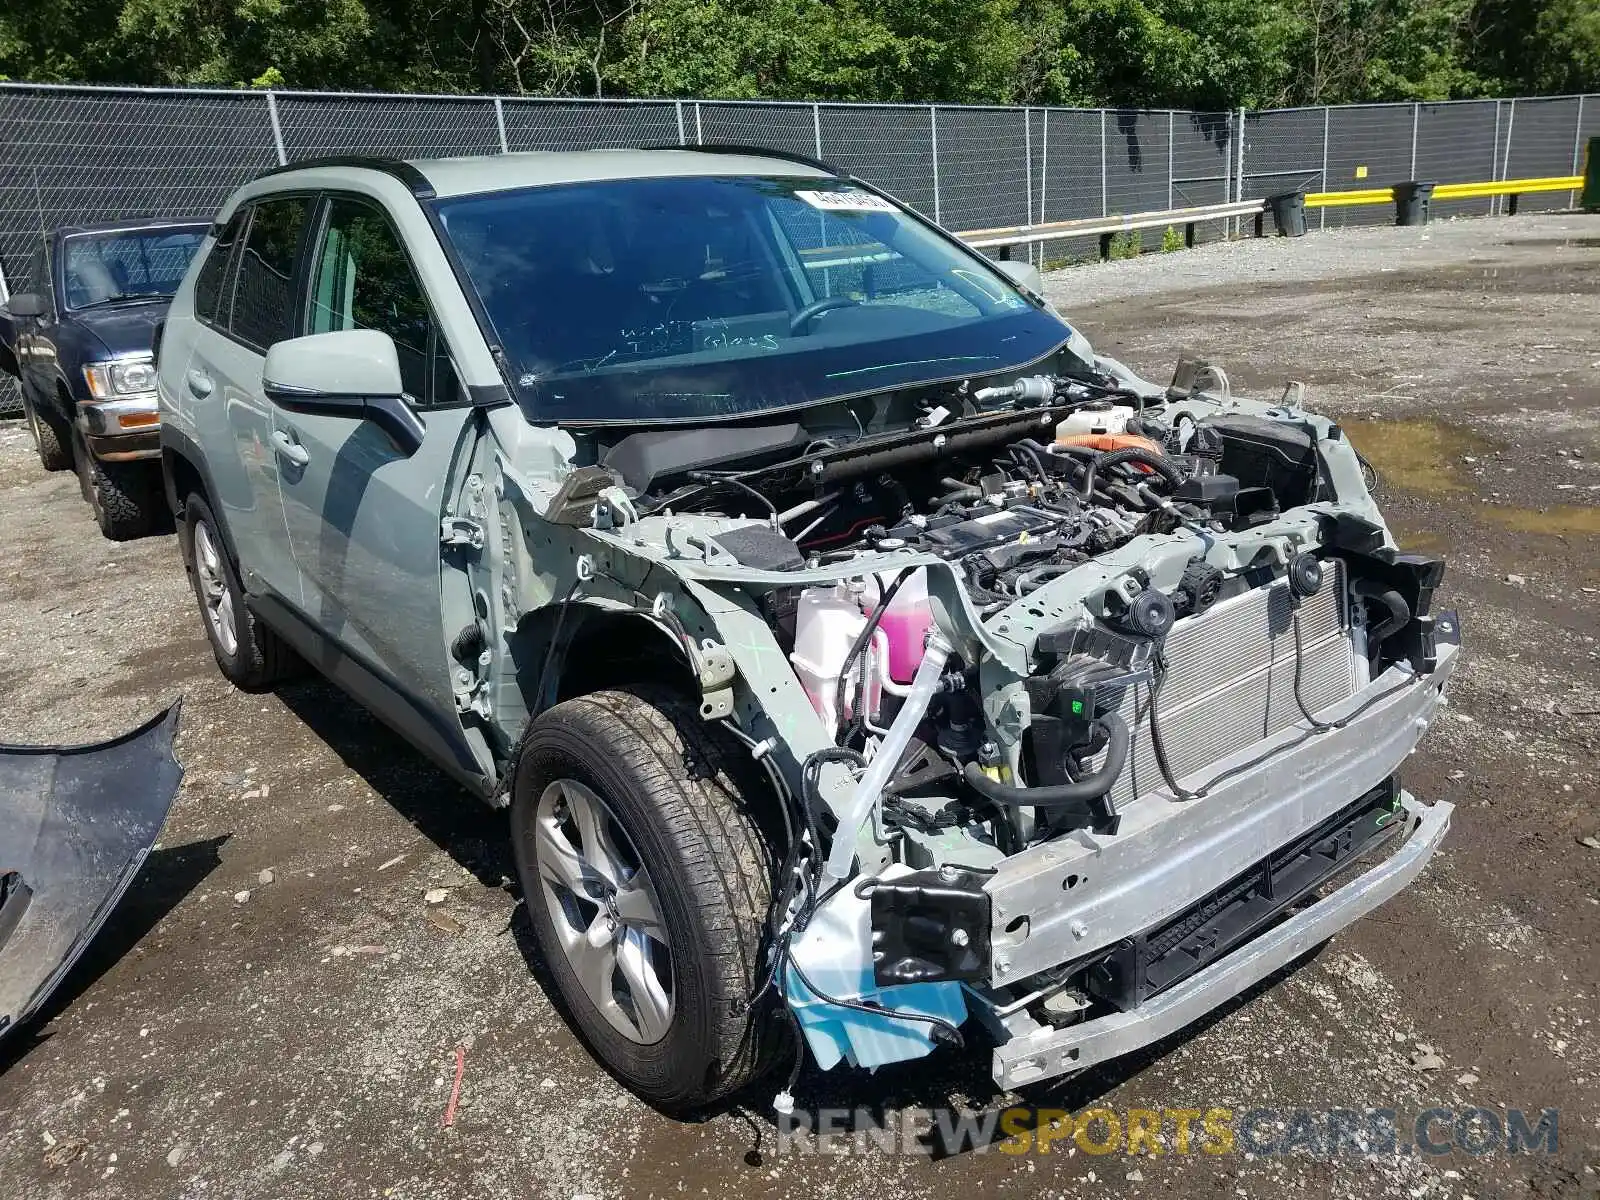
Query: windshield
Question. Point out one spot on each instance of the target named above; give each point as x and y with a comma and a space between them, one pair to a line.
98, 268
695, 298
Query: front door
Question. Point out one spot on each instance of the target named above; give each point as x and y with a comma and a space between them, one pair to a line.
363, 518
37, 369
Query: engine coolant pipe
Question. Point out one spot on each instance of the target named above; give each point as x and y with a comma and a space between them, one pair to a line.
893, 747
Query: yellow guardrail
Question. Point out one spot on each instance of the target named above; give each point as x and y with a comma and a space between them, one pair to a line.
1507, 187
1349, 199
1449, 191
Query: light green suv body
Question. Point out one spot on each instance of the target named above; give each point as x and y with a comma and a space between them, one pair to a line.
570, 467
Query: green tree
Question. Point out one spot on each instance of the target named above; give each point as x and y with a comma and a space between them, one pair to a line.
955, 50
1206, 54
1548, 46
63, 43
1355, 50
245, 42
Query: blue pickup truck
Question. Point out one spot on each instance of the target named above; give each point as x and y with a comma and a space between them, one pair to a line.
81, 340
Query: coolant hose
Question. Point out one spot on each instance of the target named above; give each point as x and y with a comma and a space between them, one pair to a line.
857, 647
887, 757
1399, 611
958, 491
1060, 795
1113, 458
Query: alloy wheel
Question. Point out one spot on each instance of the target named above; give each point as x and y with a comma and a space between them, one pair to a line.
604, 910
215, 595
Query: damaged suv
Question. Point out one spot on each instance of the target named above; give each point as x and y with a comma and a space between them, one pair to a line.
868, 667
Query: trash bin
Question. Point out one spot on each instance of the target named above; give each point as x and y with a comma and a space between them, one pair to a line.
1289, 213
1590, 200
1411, 202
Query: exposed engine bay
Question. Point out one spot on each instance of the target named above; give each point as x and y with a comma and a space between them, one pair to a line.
1044, 475
1040, 626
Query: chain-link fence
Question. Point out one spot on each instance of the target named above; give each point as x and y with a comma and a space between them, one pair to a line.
72, 155
1457, 141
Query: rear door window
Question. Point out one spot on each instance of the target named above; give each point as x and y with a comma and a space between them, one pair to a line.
263, 295
209, 284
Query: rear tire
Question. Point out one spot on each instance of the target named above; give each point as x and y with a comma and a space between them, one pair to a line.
126, 497
50, 438
253, 657
671, 826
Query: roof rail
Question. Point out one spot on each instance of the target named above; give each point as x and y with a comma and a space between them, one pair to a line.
398, 168
755, 152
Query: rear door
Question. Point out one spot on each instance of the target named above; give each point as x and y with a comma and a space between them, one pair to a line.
363, 518
244, 310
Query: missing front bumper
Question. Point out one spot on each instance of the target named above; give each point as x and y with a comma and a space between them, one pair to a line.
1077, 899
1148, 964
1072, 898
1050, 1052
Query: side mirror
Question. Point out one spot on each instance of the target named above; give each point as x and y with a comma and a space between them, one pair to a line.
26, 304
1024, 274
351, 373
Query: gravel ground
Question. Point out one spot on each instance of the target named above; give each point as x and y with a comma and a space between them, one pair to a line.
227, 1036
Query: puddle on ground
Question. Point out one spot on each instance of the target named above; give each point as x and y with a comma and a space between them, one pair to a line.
1556, 275
1559, 520
1425, 457
1585, 243
1415, 539
1420, 456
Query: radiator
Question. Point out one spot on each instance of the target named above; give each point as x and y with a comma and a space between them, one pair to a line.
1230, 680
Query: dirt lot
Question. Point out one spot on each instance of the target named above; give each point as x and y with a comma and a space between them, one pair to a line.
228, 1037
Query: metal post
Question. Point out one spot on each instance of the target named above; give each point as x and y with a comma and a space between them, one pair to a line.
1577, 153
1044, 174
682, 140
500, 124
1494, 155
1505, 163
1327, 118
277, 129
699, 134
1105, 195
1416, 120
933, 134
1172, 128
816, 129
1027, 168
1239, 180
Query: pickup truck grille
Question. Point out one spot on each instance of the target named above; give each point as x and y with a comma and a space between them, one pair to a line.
1230, 679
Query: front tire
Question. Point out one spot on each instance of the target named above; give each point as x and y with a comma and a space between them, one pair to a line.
125, 497
50, 438
253, 657
647, 882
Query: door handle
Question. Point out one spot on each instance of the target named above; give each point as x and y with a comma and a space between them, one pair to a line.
199, 383
290, 449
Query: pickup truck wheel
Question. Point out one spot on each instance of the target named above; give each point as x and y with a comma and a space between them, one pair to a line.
647, 883
126, 497
253, 657
49, 438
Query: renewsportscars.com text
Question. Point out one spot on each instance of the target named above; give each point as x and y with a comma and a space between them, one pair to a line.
1259, 1132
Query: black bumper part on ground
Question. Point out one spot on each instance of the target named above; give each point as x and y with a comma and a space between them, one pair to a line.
76, 824
1147, 965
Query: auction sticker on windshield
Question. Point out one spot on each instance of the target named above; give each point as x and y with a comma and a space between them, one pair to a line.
846, 201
